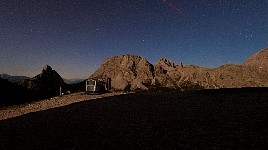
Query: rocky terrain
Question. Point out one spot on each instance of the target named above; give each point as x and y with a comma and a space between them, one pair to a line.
258, 60
130, 72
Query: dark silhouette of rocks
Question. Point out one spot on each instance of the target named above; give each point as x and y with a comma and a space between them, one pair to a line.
14, 79
12, 93
46, 84
130, 72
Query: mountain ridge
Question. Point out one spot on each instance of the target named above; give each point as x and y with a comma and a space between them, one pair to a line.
14, 79
132, 72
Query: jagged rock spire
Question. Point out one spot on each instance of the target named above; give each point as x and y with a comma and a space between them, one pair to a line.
47, 68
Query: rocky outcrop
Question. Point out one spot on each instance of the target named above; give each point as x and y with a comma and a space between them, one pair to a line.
258, 60
252, 74
46, 83
130, 72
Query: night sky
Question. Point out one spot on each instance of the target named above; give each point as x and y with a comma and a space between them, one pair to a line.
74, 37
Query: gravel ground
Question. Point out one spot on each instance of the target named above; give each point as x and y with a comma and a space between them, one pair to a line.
18, 110
211, 119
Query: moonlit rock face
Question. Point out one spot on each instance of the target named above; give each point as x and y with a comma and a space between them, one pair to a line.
258, 60
137, 73
127, 71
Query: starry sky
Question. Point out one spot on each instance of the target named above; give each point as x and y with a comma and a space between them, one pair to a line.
75, 36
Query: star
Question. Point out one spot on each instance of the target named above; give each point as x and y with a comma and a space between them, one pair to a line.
118, 27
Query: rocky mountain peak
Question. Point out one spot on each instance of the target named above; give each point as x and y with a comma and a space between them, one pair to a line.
165, 63
126, 71
46, 68
47, 82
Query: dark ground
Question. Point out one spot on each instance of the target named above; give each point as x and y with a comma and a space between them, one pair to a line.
209, 119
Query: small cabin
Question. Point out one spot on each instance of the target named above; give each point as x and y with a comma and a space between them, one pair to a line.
98, 84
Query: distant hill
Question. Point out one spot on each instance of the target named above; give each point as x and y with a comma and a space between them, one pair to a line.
73, 81
131, 72
12, 93
14, 79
